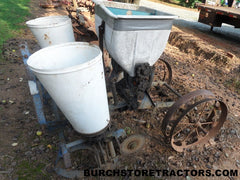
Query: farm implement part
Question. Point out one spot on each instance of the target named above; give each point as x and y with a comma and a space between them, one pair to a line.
191, 120
51, 30
71, 75
100, 141
105, 150
132, 144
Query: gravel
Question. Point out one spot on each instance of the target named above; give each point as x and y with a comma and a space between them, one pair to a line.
189, 18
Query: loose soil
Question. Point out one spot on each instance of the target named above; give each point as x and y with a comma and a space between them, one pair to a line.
198, 60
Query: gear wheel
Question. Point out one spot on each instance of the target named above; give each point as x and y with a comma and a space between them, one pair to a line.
132, 144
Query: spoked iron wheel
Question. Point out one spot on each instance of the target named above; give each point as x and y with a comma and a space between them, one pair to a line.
132, 144
193, 119
164, 71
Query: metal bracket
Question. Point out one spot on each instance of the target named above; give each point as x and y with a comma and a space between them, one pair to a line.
35, 88
32, 86
101, 30
83, 144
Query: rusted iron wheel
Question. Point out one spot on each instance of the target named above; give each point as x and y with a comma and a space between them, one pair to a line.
193, 120
165, 71
132, 144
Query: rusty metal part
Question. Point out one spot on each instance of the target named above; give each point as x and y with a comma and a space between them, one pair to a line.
75, 29
111, 149
144, 77
165, 71
119, 105
161, 83
133, 89
101, 30
114, 92
168, 117
132, 144
164, 76
193, 120
103, 152
173, 90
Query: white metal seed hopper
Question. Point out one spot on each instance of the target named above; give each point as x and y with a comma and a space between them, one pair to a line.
73, 75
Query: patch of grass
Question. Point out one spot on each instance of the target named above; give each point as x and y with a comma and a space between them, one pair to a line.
184, 3
189, 3
12, 16
31, 170
169, 2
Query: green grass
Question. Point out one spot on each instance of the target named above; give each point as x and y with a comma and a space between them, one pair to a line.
189, 3
31, 170
184, 3
12, 16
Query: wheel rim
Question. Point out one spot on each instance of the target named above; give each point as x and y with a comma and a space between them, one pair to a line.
193, 120
165, 71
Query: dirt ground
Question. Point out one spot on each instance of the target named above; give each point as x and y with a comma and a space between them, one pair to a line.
198, 60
